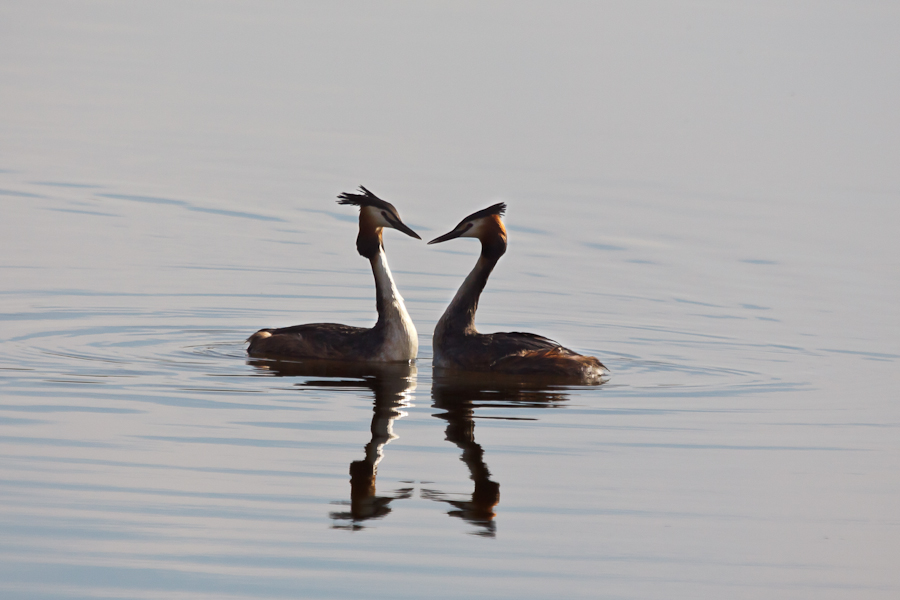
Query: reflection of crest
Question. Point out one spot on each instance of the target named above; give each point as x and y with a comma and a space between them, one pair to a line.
392, 385
458, 395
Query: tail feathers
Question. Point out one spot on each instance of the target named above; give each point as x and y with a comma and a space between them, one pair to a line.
259, 335
557, 361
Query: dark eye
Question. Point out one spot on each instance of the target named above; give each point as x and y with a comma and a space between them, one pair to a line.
468, 226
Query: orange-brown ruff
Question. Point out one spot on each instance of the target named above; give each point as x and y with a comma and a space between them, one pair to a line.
393, 338
458, 345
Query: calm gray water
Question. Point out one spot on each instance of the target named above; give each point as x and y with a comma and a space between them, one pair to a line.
703, 196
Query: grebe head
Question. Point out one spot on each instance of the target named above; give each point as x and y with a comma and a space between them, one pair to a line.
485, 225
374, 215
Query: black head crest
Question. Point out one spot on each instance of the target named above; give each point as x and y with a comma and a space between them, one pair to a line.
498, 209
366, 198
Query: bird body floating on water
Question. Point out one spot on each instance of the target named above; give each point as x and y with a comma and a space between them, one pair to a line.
458, 345
393, 338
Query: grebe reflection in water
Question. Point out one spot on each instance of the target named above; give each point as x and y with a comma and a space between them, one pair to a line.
392, 385
459, 397
393, 338
458, 345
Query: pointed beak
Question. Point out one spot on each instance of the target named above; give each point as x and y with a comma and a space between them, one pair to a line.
448, 236
399, 226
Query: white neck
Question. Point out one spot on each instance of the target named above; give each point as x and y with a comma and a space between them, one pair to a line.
402, 340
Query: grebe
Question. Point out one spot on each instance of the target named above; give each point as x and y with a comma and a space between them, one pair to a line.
393, 338
458, 345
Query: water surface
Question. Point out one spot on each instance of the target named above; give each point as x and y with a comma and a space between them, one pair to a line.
704, 198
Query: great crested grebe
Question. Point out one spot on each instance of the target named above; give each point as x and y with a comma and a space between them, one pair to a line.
393, 338
458, 345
